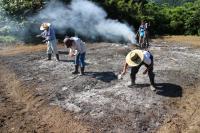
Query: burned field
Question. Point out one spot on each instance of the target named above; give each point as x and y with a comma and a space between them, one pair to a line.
98, 99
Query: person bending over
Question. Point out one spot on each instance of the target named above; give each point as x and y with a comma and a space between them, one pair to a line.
77, 49
135, 59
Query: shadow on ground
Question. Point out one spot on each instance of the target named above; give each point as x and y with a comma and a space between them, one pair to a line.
139, 85
67, 60
169, 90
103, 76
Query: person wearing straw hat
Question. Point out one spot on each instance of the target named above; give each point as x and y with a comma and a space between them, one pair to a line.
135, 59
50, 38
77, 49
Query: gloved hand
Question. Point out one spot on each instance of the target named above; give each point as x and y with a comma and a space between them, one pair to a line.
44, 41
71, 55
119, 76
38, 36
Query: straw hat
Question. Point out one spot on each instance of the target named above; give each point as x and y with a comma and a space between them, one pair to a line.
44, 26
134, 58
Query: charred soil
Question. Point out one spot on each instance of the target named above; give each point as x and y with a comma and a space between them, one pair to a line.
43, 96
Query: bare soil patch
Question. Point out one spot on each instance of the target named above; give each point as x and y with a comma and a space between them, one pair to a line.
24, 110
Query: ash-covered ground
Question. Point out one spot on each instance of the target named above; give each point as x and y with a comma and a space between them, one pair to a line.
99, 98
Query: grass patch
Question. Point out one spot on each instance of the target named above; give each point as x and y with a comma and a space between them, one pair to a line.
189, 40
19, 49
16, 49
8, 39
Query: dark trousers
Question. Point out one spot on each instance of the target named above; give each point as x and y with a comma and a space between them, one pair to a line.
151, 75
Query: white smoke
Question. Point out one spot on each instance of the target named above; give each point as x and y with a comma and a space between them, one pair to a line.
86, 19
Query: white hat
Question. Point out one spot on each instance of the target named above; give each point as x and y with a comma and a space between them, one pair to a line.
44, 26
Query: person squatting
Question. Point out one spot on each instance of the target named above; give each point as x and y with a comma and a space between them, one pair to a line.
143, 34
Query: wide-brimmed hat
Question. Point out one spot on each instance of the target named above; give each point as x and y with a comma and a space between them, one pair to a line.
135, 57
44, 26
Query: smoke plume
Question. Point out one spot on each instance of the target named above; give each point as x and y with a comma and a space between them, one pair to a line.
86, 19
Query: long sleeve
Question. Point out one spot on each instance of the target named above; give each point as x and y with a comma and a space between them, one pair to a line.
50, 34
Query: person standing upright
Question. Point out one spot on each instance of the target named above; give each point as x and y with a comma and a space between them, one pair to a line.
50, 38
147, 35
142, 36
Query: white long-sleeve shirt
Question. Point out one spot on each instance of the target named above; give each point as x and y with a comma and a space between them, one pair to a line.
78, 46
147, 59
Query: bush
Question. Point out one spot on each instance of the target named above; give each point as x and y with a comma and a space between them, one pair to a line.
8, 39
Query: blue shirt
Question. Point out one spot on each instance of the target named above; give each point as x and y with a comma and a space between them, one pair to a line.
49, 34
142, 30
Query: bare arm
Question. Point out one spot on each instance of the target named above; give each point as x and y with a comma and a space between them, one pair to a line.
71, 52
124, 69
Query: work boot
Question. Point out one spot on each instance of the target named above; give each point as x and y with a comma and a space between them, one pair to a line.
82, 71
76, 70
49, 57
132, 84
57, 57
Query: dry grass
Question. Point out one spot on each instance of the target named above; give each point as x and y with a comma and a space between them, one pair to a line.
19, 49
187, 118
190, 40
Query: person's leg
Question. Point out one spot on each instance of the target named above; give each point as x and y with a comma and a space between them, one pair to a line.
147, 38
54, 48
143, 41
76, 62
49, 50
82, 63
151, 75
134, 71
140, 39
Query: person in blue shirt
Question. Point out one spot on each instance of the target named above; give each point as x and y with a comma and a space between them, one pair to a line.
142, 30
147, 35
50, 38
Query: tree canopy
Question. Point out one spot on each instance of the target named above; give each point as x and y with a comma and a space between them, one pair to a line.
165, 16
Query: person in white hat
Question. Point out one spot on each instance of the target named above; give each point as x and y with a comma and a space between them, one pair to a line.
50, 38
135, 59
77, 49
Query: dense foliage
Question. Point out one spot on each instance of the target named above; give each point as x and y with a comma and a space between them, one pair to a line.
164, 16
170, 17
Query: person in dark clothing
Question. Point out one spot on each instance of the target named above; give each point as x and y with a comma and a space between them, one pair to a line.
135, 59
